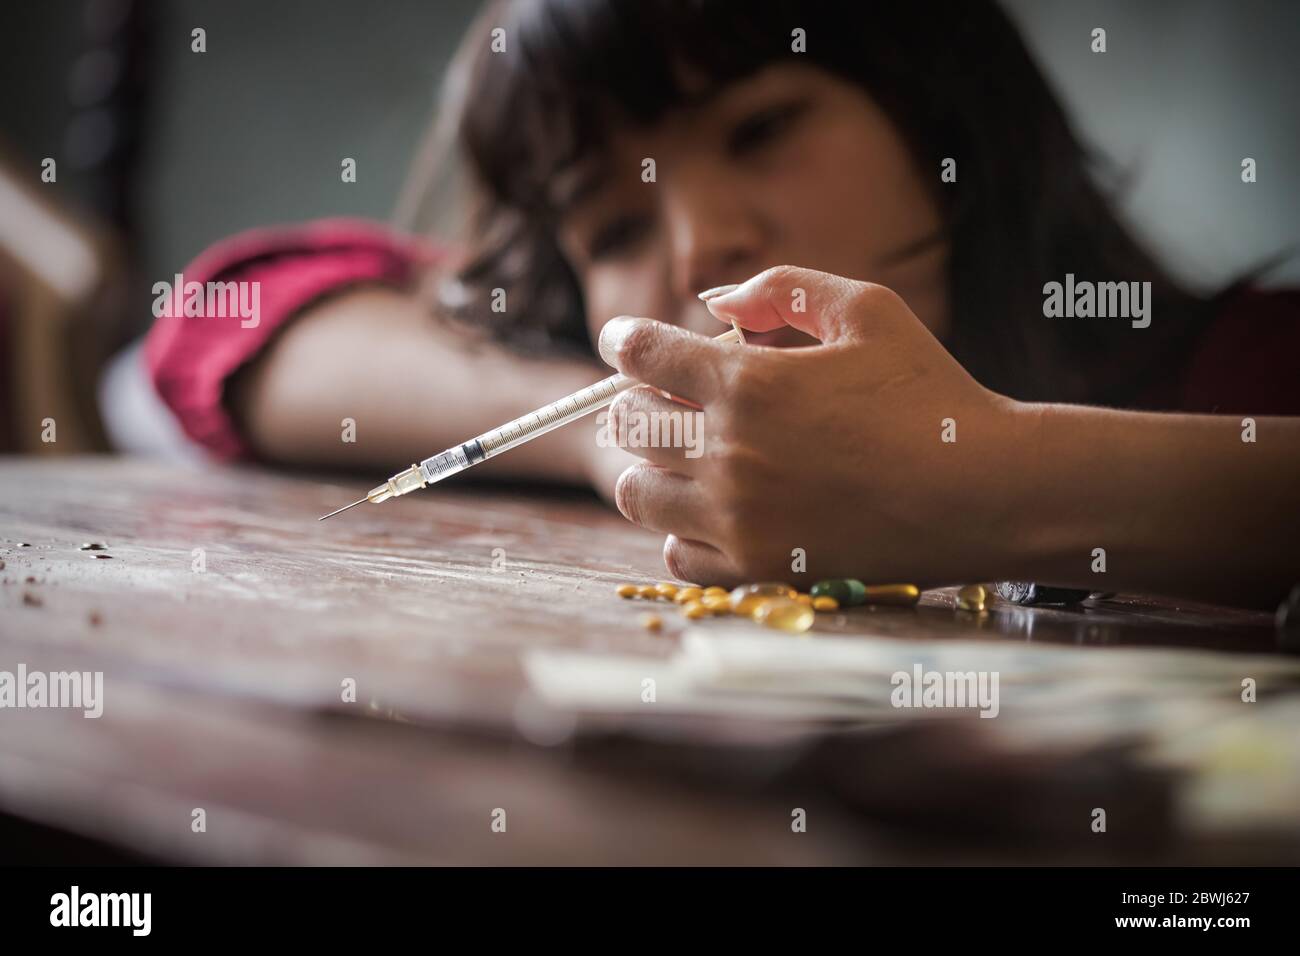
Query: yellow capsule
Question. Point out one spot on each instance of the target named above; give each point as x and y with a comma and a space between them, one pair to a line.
971, 598
626, 590
807, 599
716, 603
825, 603
785, 615
687, 595
665, 590
652, 622
647, 591
695, 610
904, 595
746, 598
715, 591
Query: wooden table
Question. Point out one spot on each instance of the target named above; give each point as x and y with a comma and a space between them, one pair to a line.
226, 618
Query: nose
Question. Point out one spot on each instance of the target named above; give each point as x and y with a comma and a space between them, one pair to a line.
714, 234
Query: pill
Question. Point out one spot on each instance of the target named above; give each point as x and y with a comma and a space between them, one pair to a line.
626, 590
902, 595
715, 591
785, 614
652, 622
837, 589
848, 592
971, 598
695, 610
717, 603
746, 598
647, 591
665, 590
687, 595
809, 599
824, 603
93, 546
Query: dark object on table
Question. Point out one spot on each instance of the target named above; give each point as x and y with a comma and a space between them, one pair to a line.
1029, 593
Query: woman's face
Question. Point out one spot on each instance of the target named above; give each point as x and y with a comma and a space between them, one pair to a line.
790, 166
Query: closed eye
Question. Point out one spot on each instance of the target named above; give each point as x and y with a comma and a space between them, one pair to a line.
617, 236
764, 126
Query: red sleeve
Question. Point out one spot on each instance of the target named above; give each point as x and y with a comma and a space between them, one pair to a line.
189, 357
1248, 360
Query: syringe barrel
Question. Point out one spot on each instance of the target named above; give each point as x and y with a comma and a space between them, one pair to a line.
568, 409
525, 428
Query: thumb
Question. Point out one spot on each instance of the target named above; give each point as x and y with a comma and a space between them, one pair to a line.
828, 307
666, 357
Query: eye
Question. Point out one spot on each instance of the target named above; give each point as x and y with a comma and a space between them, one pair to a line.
617, 236
762, 127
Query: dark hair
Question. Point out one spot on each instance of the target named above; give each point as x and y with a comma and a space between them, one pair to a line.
953, 76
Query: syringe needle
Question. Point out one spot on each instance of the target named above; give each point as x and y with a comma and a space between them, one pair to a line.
343, 509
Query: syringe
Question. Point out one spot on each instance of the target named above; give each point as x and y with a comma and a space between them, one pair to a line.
503, 438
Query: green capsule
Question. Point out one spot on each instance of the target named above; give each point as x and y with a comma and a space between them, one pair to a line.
848, 592
835, 588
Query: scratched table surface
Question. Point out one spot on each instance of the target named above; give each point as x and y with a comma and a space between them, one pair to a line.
225, 620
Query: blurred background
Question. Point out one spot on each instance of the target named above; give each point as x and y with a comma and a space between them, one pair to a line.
160, 151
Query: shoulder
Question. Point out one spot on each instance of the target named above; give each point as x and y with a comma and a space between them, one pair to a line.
267, 247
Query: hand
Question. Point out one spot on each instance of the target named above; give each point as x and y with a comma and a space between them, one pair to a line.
836, 449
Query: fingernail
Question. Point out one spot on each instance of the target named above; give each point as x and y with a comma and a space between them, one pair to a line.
612, 336
716, 291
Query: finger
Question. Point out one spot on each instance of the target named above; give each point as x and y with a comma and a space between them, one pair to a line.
689, 560
656, 353
651, 427
661, 500
673, 398
828, 307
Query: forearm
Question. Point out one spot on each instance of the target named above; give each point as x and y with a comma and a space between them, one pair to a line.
411, 385
1179, 503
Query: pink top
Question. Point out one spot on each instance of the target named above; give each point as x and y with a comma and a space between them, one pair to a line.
190, 358
1244, 364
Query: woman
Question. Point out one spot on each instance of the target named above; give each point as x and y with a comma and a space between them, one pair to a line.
911, 163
